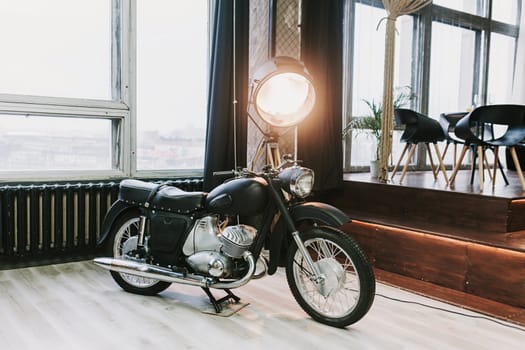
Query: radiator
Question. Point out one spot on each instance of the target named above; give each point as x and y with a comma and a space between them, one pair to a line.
49, 221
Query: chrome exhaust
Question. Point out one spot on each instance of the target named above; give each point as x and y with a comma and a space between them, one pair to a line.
166, 275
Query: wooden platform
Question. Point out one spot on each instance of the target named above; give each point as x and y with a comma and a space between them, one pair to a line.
458, 238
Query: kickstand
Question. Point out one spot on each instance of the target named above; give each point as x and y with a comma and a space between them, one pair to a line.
217, 302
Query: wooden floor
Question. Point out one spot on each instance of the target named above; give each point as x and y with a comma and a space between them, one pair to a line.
78, 306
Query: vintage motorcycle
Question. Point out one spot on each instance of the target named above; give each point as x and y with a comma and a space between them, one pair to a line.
243, 229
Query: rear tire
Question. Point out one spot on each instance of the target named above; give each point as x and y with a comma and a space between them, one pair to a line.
348, 289
122, 238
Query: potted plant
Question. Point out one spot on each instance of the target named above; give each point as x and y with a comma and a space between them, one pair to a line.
371, 123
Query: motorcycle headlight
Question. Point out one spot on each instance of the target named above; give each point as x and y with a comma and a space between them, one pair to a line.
298, 181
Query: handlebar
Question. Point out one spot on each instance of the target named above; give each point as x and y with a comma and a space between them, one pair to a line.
244, 172
224, 173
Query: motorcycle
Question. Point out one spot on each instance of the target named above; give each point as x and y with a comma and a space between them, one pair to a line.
245, 228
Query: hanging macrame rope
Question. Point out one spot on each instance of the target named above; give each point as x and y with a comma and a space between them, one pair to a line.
394, 9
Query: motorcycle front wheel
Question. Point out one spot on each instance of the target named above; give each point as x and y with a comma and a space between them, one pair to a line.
123, 239
346, 290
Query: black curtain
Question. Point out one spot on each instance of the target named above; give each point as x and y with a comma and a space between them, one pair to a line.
320, 135
219, 154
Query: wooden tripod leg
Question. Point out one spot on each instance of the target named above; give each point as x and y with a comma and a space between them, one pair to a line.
441, 164
258, 153
410, 155
458, 165
518, 167
399, 160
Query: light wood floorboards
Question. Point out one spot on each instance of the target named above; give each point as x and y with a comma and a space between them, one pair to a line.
78, 306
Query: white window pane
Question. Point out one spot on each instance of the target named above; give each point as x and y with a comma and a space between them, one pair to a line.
50, 143
369, 56
172, 44
451, 69
501, 68
469, 6
59, 48
505, 11
368, 71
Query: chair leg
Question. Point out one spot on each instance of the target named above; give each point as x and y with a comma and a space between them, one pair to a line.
480, 168
434, 170
410, 155
495, 168
399, 160
445, 150
455, 154
517, 165
487, 165
458, 165
441, 163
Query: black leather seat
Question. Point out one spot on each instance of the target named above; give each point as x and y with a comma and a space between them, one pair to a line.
419, 129
473, 130
160, 196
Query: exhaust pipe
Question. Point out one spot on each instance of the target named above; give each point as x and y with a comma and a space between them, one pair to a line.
167, 275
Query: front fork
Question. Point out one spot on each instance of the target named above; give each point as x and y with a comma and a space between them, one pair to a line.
317, 277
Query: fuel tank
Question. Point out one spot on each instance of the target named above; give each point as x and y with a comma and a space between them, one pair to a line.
243, 196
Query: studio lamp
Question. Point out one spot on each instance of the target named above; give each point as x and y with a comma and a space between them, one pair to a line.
282, 94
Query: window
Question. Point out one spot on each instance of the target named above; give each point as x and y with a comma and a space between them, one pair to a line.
36, 143
452, 68
94, 89
368, 62
469, 6
501, 68
505, 11
59, 48
172, 47
453, 54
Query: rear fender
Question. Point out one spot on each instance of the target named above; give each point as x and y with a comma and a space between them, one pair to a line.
116, 209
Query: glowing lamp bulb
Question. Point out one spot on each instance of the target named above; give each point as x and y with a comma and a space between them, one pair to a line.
285, 96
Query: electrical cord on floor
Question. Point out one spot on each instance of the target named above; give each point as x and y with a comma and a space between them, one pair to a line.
451, 311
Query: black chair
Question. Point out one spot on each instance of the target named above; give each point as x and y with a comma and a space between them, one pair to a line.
477, 131
448, 122
419, 129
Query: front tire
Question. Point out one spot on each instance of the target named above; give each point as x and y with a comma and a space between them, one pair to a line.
123, 238
347, 290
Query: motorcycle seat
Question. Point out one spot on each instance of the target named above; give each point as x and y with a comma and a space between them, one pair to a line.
160, 196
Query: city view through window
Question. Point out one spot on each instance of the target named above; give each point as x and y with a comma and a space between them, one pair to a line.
42, 61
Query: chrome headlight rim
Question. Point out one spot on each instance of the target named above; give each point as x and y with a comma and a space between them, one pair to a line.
297, 182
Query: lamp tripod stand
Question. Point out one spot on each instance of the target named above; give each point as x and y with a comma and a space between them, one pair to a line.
270, 143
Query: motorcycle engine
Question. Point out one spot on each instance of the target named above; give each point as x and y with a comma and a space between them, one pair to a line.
214, 252
237, 239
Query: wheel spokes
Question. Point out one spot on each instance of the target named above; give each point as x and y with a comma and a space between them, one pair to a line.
340, 299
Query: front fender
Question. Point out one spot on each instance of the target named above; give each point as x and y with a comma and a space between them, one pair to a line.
116, 209
319, 212
314, 211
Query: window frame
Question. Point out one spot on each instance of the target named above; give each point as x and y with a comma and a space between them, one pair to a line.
121, 110
482, 24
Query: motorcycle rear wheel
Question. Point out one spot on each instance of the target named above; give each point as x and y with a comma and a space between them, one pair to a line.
123, 236
348, 289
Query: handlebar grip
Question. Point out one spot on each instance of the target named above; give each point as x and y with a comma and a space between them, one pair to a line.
223, 173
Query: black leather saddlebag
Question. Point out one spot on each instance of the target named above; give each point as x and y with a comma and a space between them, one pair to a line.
168, 233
